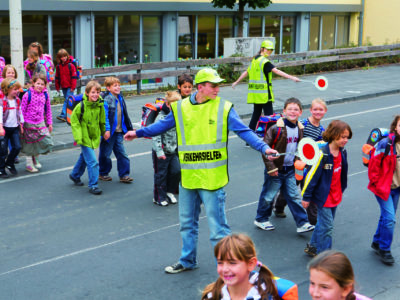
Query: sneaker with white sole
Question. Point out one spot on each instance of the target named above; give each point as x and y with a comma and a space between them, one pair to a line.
36, 162
175, 268
161, 203
305, 228
264, 225
172, 198
31, 169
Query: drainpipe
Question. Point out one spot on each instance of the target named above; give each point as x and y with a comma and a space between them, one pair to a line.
360, 31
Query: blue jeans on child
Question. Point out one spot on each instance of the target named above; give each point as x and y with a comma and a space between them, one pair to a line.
387, 220
322, 235
11, 137
114, 143
66, 93
87, 158
270, 188
189, 211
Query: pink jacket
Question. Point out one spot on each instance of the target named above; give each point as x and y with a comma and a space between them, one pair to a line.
34, 112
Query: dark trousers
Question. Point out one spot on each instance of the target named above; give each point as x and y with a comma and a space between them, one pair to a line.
12, 136
258, 108
167, 175
312, 209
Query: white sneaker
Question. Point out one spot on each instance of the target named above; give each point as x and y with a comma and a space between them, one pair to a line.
264, 225
162, 203
36, 162
172, 198
305, 228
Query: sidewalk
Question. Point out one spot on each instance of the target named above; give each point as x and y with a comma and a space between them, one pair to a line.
342, 86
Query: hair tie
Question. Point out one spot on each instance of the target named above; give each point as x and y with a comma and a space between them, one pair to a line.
12, 83
259, 263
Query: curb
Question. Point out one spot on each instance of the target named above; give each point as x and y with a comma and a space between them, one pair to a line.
69, 145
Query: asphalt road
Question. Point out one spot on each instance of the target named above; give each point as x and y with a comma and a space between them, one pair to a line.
57, 241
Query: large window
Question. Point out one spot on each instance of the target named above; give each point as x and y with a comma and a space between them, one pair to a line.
206, 37
342, 38
35, 29
151, 39
186, 29
313, 43
288, 34
104, 41
128, 39
225, 25
63, 34
5, 38
273, 29
328, 32
255, 28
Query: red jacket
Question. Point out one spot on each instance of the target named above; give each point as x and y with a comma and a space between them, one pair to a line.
381, 168
66, 75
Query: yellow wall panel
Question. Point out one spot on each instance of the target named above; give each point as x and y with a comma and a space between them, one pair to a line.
319, 2
381, 22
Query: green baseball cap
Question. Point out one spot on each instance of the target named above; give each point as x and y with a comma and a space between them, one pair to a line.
267, 44
208, 75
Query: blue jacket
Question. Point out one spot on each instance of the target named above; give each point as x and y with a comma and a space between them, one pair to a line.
110, 107
318, 180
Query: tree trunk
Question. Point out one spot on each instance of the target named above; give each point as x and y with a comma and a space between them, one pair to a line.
240, 15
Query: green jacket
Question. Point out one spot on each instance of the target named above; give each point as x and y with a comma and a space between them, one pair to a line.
87, 131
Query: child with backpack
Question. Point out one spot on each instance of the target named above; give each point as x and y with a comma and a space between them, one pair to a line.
45, 59
65, 79
11, 120
242, 276
384, 182
33, 67
313, 129
88, 124
167, 169
325, 184
2, 66
117, 124
283, 137
38, 125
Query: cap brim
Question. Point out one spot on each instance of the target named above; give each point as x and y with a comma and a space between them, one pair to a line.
217, 80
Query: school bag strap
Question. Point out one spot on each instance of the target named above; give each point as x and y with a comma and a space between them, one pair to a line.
46, 95
70, 71
278, 134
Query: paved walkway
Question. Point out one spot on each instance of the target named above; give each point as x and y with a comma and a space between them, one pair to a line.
342, 86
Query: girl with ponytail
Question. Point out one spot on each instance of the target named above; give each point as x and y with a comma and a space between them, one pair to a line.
238, 279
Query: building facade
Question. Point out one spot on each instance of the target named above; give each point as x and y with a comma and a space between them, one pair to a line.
101, 33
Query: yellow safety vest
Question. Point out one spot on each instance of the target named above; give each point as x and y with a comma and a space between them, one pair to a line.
202, 133
260, 87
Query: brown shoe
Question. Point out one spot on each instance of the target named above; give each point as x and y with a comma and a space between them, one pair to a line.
126, 179
105, 178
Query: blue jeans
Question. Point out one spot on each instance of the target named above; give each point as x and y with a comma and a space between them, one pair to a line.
189, 211
66, 93
12, 138
87, 158
114, 143
387, 220
322, 235
270, 188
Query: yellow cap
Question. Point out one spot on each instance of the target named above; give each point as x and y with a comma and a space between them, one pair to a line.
267, 44
208, 75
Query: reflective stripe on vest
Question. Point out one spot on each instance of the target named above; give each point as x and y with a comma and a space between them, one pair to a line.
202, 133
259, 87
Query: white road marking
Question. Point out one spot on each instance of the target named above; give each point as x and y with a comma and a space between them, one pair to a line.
360, 113
132, 237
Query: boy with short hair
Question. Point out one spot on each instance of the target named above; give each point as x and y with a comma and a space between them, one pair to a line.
117, 124
283, 137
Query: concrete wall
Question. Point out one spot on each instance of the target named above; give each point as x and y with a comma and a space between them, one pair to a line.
381, 22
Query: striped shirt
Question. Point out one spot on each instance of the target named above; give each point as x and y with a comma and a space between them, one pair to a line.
314, 132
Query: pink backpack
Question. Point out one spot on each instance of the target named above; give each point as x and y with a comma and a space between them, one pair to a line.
2, 65
48, 64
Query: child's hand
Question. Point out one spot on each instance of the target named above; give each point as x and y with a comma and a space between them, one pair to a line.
162, 157
234, 84
2, 131
106, 135
274, 174
21, 129
50, 128
305, 204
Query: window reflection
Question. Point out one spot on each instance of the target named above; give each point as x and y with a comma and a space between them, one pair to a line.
342, 39
35, 29
255, 29
225, 31
288, 35
104, 41
128, 39
273, 29
328, 32
186, 28
5, 38
206, 37
313, 43
151, 39
63, 34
